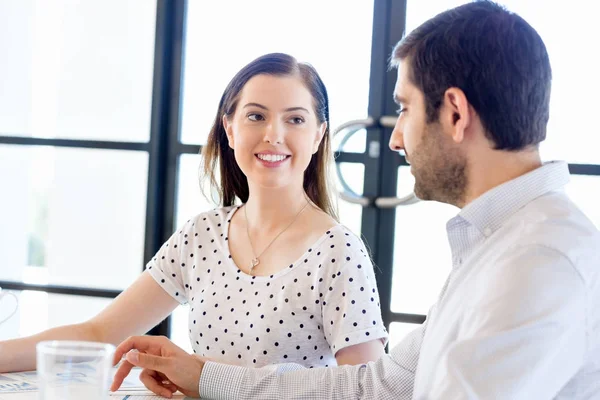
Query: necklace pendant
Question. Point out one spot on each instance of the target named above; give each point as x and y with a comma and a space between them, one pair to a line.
255, 262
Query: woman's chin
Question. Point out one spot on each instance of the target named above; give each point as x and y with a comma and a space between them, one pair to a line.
270, 184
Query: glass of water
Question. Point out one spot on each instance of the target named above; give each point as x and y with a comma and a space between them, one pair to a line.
69, 370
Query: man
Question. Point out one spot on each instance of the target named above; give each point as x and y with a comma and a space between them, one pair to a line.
518, 316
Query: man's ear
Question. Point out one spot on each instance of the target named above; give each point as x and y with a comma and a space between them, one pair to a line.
455, 114
228, 131
319, 137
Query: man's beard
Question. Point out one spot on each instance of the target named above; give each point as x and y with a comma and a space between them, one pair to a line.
439, 168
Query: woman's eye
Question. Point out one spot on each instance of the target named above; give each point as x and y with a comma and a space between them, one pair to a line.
400, 110
255, 117
297, 120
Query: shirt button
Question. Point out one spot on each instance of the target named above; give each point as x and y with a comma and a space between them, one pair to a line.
487, 232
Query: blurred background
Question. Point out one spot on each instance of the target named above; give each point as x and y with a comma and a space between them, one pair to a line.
105, 104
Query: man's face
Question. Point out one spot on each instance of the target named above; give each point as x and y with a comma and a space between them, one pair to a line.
437, 163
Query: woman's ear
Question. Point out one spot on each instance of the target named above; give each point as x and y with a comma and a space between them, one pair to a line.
228, 131
319, 137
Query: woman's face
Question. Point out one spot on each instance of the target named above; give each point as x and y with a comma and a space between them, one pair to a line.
274, 131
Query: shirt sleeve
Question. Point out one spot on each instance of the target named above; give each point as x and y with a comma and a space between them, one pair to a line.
390, 377
351, 309
167, 266
526, 337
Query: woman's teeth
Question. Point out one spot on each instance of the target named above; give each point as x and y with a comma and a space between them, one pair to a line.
271, 157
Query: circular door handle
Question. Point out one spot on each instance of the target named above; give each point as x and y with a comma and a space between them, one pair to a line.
355, 199
347, 194
355, 124
393, 202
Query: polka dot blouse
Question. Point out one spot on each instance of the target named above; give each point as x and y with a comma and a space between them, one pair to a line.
304, 314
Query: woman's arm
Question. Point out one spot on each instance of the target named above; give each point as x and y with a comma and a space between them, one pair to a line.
361, 353
352, 321
135, 311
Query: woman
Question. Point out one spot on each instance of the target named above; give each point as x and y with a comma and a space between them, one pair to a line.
275, 279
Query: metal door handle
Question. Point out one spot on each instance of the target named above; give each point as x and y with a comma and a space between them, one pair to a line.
348, 195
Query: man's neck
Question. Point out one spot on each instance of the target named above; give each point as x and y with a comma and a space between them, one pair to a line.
497, 167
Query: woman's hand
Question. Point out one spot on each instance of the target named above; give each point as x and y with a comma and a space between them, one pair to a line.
166, 367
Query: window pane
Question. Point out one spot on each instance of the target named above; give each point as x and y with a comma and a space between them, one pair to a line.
190, 201
422, 258
584, 190
39, 311
78, 213
351, 214
573, 104
356, 143
573, 92
418, 11
77, 69
398, 331
179, 328
213, 59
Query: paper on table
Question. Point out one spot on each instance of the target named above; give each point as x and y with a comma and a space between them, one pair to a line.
153, 397
20, 396
33, 396
27, 383
18, 382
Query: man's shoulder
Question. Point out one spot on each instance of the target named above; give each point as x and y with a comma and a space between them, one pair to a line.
553, 221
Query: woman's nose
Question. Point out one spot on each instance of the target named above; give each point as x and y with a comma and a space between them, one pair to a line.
274, 133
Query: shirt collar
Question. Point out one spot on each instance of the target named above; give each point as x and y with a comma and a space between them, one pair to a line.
487, 212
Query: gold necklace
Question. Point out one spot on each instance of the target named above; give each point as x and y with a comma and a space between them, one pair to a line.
256, 258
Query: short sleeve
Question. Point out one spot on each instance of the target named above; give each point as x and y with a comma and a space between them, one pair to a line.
351, 310
167, 267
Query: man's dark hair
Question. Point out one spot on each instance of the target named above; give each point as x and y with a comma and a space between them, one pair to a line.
496, 58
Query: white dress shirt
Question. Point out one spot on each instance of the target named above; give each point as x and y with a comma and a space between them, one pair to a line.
518, 317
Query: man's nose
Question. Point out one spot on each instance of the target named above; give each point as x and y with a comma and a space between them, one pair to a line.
397, 139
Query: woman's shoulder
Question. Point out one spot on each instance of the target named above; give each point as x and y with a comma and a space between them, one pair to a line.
342, 243
218, 217
344, 234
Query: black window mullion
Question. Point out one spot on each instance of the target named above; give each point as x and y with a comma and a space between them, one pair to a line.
164, 130
59, 289
584, 169
381, 174
181, 148
370, 214
407, 318
77, 143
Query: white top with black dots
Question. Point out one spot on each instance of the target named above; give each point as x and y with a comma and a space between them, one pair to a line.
304, 314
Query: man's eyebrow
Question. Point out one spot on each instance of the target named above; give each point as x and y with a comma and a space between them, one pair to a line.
399, 99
